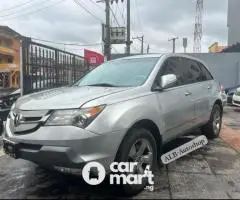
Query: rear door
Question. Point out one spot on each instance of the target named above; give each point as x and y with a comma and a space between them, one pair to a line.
208, 86
200, 90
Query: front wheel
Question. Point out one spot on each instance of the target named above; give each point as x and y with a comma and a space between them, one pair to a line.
213, 127
138, 146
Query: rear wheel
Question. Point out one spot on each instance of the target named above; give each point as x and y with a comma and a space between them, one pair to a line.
213, 127
139, 146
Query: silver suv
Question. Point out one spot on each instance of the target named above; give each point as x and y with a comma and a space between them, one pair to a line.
124, 110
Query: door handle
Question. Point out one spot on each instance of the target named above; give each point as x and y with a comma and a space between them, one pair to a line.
188, 93
208, 87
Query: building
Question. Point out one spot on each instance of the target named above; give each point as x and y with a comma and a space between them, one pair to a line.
215, 48
233, 22
9, 58
232, 49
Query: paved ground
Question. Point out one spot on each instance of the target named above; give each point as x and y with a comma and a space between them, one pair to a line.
210, 172
231, 117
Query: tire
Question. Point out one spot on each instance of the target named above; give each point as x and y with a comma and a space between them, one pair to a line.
137, 137
212, 129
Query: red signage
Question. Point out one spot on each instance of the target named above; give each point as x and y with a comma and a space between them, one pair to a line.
93, 58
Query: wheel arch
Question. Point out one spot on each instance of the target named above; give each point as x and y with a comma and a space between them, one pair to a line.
219, 102
150, 126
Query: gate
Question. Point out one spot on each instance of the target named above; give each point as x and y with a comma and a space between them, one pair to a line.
45, 67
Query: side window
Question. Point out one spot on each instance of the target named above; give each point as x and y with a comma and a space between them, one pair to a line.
193, 73
173, 66
205, 73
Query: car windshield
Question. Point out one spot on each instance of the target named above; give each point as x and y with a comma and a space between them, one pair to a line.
120, 73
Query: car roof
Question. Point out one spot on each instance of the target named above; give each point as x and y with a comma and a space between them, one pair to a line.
157, 55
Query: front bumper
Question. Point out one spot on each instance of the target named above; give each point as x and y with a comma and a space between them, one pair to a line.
65, 146
236, 103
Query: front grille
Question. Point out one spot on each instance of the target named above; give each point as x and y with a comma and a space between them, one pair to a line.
237, 102
23, 122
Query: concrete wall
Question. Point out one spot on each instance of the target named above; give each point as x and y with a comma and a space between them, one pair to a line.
225, 67
233, 22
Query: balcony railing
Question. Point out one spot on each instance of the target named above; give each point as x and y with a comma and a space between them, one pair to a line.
9, 66
6, 50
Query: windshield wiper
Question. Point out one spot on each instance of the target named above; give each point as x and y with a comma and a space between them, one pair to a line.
103, 85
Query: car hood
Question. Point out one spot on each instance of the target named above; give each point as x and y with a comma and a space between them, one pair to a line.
64, 98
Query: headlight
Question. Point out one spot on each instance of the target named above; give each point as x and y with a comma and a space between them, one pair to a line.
75, 117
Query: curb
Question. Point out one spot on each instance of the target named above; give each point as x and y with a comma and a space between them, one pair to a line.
231, 137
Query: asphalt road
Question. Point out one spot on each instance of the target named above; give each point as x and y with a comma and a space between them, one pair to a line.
210, 172
231, 117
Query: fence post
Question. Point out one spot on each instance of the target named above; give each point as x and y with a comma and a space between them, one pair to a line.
237, 74
56, 68
21, 68
74, 69
24, 76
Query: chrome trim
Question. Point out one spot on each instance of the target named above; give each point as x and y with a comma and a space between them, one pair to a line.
21, 121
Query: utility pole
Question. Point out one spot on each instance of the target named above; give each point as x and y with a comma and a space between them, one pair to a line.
148, 48
141, 39
128, 42
174, 43
108, 32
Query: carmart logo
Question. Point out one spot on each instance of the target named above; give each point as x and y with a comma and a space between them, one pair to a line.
93, 173
124, 173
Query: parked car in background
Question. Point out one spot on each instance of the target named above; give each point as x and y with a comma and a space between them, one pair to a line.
236, 97
6, 102
230, 92
125, 110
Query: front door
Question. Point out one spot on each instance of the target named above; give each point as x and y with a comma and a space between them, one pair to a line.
176, 102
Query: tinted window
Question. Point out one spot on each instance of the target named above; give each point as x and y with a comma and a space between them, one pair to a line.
173, 66
193, 73
205, 73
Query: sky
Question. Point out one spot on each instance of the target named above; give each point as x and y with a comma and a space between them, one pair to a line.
158, 20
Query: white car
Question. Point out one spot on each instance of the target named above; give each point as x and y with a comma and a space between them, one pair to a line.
236, 98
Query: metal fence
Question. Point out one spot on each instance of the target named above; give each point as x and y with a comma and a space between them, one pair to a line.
45, 67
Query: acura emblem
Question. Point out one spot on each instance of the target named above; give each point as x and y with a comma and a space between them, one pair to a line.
17, 118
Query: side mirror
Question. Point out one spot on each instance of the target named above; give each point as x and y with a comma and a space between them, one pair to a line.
168, 80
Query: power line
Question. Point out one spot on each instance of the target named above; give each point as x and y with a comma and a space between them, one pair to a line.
20, 11
88, 11
114, 17
97, 5
122, 14
36, 11
67, 44
16, 6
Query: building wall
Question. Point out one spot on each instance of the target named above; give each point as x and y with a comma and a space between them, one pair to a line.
215, 48
10, 59
225, 67
233, 22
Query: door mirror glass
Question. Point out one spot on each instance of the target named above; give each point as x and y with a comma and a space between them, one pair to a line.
168, 80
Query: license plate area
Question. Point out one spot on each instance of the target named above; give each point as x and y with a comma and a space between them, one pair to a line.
10, 148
